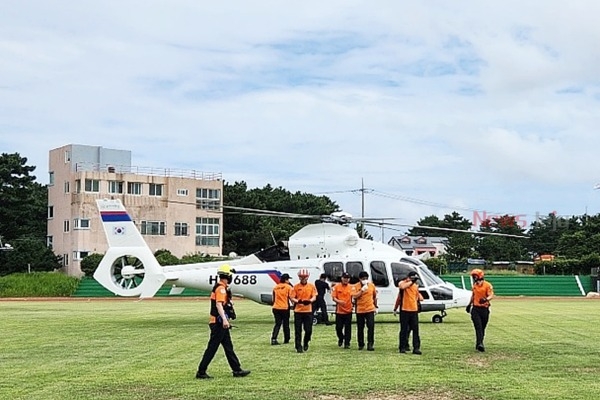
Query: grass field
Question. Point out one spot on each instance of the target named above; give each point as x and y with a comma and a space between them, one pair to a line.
126, 349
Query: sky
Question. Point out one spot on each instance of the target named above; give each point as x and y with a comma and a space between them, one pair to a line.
480, 107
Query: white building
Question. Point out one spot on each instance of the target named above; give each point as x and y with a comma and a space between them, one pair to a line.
177, 210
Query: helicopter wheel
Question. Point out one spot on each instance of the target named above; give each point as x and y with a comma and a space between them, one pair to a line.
437, 319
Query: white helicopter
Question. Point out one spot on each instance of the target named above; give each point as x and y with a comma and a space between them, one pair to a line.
130, 269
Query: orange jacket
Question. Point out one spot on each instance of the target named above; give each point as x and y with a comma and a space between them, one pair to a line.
482, 290
341, 292
218, 295
365, 301
304, 292
410, 298
281, 296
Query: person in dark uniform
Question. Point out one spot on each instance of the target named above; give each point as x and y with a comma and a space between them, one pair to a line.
409, 313
479, 306
221, 311
320, 304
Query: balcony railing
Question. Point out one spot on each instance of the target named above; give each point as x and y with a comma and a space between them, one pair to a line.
152, 171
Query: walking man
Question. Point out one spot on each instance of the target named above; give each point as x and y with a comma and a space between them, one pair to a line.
366, 304
303, 295
221, 311
479, 306
342, 297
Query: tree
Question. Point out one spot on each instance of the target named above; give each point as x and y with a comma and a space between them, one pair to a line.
28, 255
545, 233
501, 248
23, 202
89, 263
245, 233
460, 245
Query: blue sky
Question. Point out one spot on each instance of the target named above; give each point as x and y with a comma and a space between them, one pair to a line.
471, 106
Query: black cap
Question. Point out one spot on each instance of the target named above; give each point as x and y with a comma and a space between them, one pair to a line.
363, 274
413, 274
284, 278
345, 275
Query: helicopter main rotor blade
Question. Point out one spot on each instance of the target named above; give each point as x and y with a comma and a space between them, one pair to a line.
436, 228
255, 211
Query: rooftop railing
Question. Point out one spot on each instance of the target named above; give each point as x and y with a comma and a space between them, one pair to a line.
152, 171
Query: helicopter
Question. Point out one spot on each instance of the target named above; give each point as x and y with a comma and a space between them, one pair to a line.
330, 247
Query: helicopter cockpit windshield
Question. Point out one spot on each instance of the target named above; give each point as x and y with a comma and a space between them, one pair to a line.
426, 274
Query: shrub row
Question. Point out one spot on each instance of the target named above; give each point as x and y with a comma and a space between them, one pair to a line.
38, 284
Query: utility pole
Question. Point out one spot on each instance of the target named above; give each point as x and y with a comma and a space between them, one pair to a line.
362, 190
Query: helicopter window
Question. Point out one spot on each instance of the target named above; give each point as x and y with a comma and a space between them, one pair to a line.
334, 271
379, 273
353, 268
400, 271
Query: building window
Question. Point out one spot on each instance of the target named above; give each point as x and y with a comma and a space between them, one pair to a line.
51, 178
80, 255
81, 223
66, 225
115, 187
207, 231
153, 228
65, 260
134, 188
67, 156
181, 229
92, 185
78, 186
67, 186
182, 192
155, 189
49, 241
50, 212
208, 199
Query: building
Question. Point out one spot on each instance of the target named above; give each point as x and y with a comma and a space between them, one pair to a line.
177, 210
418, 245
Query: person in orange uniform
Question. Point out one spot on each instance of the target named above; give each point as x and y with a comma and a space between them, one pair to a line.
303, 295
366, 304
341, 295
221, 311
409, 312
281, 309
479, 306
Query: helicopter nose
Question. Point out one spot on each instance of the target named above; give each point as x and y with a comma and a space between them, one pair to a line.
461, 297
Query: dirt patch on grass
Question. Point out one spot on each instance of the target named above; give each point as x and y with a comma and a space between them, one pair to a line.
486, 360
425, 394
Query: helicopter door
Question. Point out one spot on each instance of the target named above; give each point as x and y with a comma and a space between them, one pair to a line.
386, 293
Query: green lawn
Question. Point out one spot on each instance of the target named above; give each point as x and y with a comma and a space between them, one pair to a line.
126, 349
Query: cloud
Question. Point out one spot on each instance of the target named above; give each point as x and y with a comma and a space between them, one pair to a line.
463, 104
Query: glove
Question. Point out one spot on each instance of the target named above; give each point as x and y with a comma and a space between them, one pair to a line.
306, 302
395, 313
364, 288
468, 309
483, 301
